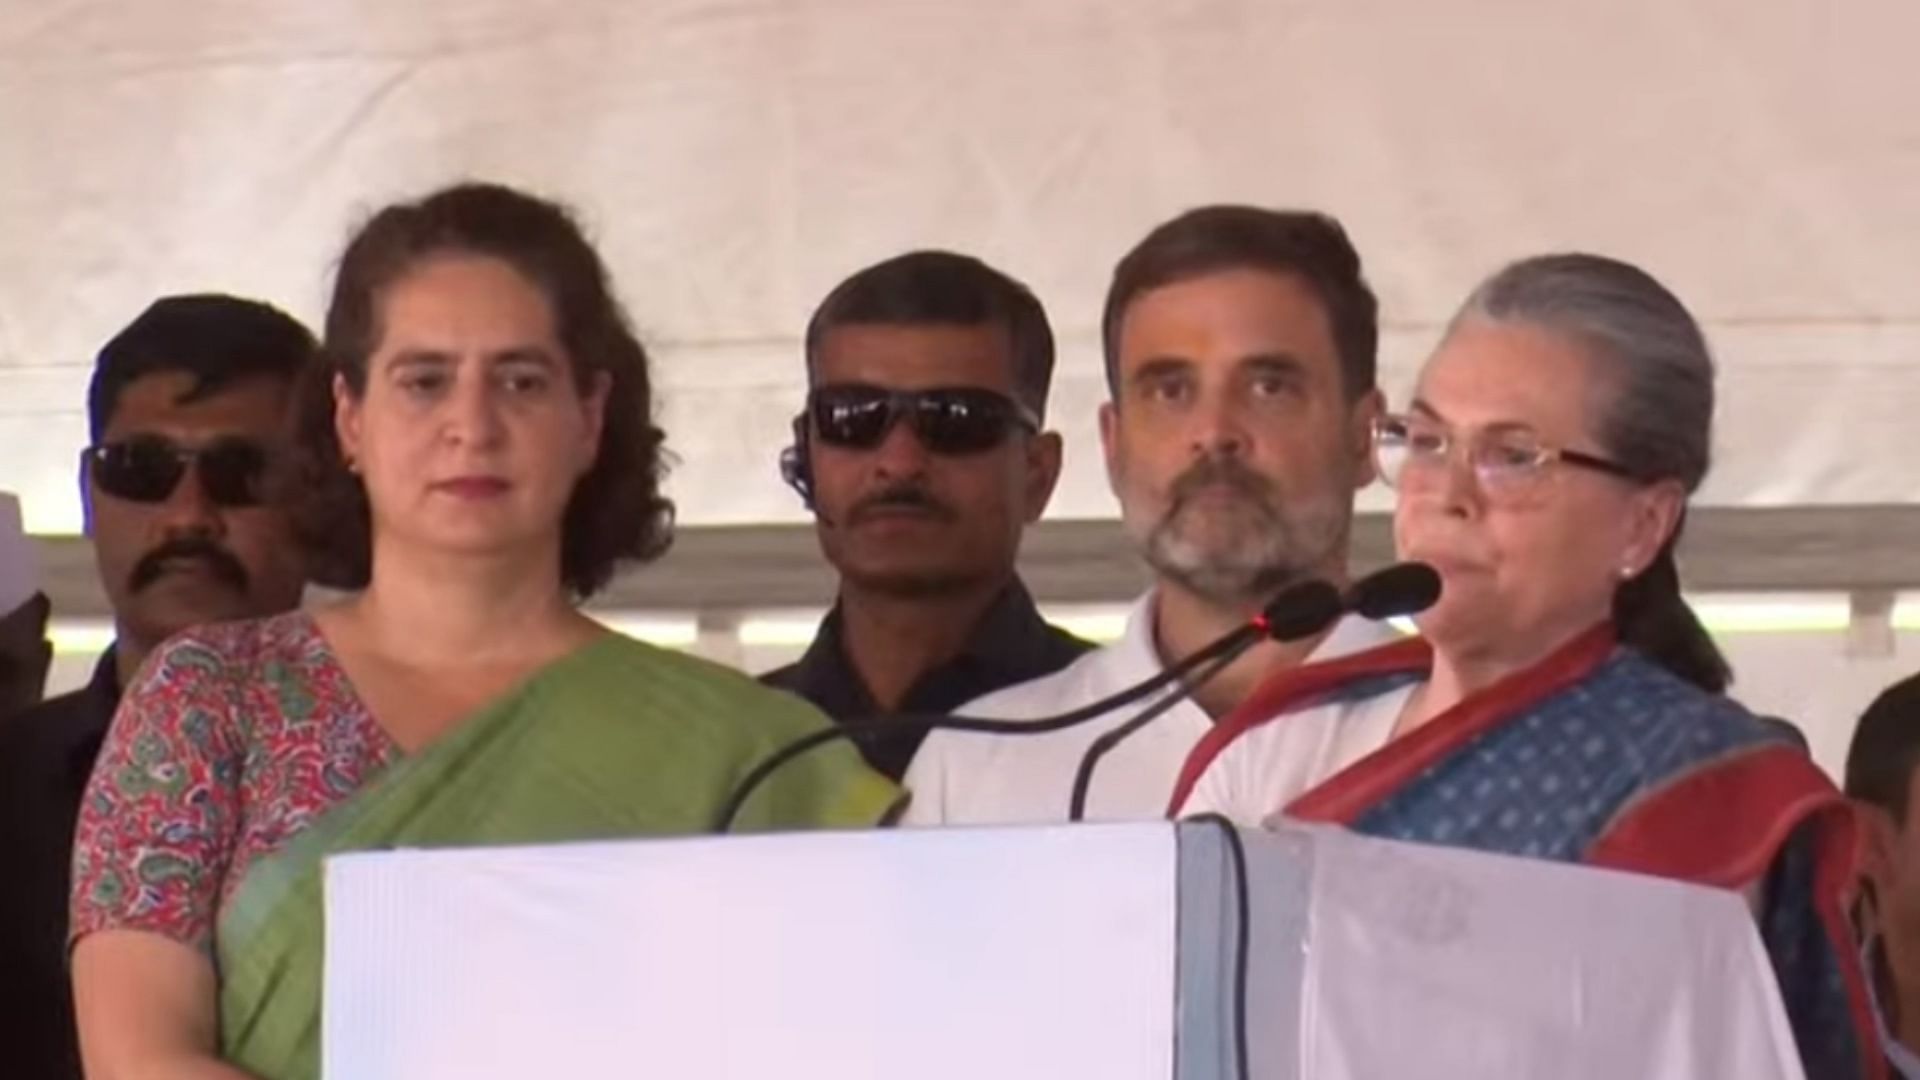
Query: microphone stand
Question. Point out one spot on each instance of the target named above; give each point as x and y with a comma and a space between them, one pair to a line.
1228, 646
1083, 775
1298, 612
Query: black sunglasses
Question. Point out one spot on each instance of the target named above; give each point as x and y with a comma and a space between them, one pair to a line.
147, 469
946, 420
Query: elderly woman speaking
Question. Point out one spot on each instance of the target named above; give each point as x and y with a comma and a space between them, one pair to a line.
1562, 702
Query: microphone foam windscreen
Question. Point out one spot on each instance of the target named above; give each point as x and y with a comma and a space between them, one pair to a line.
1303, 610
1401, 589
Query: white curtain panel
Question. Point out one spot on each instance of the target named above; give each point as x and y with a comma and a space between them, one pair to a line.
737, 158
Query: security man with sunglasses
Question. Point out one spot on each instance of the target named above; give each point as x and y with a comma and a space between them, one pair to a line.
922, 455
185, 412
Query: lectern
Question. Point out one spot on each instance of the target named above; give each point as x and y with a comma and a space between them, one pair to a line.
1086, 952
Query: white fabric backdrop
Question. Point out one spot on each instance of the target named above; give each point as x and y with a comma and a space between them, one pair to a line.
737, 158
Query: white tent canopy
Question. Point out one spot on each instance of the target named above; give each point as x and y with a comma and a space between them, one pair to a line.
736, 160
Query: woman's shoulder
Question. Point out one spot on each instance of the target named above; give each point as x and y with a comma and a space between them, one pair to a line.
1668, 714
676, 681
241, 650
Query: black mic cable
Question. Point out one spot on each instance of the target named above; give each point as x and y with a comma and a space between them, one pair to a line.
1232, 643
1299, 612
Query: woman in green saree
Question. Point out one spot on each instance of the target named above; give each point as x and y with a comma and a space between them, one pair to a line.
478, 455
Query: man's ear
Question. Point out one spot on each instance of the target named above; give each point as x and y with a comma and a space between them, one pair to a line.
1045, 454
1878, 840
1110, 444
1361, 419
85, 479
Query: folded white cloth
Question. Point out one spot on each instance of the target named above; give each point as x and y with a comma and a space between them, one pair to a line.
19, 561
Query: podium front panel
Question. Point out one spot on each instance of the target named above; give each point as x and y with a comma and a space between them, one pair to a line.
952, 955
1057, 953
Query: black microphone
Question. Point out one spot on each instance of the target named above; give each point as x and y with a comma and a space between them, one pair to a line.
1239, 639
1406, 588
1300, 611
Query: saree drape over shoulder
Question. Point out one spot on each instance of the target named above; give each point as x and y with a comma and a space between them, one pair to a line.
1598, 756
618, 739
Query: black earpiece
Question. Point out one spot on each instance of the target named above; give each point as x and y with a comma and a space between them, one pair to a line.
796, 466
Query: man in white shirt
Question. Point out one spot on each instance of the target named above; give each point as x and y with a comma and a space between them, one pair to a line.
1240, 358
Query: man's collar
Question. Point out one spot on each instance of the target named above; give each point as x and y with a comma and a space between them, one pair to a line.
1007, 636
1010, 632
1354, 634
105, 683
1347, 634
825, 675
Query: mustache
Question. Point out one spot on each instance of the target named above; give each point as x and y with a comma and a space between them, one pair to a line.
221, 561
1219, 472
896, 496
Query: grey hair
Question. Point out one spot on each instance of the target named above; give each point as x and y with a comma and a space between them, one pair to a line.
1656, 414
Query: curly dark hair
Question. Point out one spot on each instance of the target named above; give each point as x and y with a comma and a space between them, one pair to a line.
617, 513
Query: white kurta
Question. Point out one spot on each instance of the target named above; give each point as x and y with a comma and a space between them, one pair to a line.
971, 778
1266, 768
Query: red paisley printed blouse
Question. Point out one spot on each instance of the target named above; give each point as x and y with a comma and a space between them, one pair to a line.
231, 740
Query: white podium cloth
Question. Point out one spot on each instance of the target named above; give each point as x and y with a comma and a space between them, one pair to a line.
1058, 953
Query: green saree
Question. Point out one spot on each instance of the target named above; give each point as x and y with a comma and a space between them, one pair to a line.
618, 739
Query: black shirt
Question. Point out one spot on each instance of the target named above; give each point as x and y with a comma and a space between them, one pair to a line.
1011, 644
46, 755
